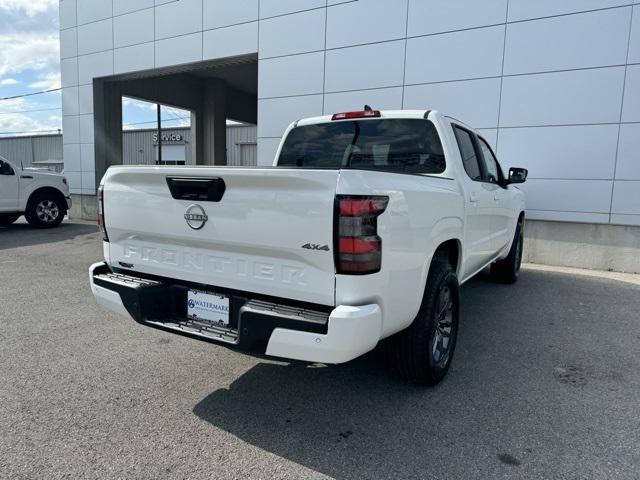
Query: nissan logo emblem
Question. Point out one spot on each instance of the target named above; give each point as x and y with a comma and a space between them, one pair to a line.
196, 217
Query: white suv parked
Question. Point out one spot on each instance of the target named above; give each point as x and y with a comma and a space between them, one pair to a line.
41, 196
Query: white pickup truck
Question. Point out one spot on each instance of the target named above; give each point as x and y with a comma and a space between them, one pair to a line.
41, 196
362, 230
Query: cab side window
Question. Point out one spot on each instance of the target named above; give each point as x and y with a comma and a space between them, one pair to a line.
5, 168
468, 152
490, 162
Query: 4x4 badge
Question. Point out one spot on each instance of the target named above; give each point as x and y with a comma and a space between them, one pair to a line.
313, 246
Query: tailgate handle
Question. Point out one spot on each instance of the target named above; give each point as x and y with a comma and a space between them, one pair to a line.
203, 189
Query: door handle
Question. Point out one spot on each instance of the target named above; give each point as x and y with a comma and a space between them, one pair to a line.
29, 177
473, 198
496, 197
203, 189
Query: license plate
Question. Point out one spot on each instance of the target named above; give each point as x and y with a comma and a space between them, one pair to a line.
208, 307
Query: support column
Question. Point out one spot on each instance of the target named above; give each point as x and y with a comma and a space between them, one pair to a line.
107, 112
214, 120
196, 136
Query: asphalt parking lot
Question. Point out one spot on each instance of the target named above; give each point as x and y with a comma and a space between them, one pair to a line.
545, 384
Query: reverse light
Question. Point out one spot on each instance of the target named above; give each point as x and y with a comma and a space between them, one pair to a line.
358, 246
101, 223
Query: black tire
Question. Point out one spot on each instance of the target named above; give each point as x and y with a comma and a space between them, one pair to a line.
508, 269
8, 218
46, 209
414, 349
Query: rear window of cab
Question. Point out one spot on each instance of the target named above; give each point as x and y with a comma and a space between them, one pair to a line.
392, 145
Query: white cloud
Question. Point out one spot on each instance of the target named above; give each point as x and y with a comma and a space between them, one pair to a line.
47, 81
29, 55
176, 123
29, 7
23, 124
129, 102
29, 51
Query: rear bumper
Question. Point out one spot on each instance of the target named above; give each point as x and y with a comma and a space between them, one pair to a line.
351, 332
296, 332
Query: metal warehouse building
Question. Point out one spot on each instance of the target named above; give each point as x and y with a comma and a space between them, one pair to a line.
43, 151
139, 147
553, 85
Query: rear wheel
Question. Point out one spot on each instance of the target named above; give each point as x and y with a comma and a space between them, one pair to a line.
8, 218
423, 352
508, 269
45, 210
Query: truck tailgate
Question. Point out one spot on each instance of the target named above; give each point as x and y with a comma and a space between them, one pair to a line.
271, 232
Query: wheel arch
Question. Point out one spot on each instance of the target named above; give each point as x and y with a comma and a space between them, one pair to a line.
446, 236
448, 249
447, 233
50, 191
450, 252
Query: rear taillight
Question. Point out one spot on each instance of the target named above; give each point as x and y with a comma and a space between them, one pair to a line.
358, 246
101, 224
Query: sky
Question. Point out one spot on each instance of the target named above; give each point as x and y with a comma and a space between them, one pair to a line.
30, 63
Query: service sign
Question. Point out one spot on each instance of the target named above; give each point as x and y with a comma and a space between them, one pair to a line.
168, 138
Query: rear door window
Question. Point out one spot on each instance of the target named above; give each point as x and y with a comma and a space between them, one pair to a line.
490, 162
394, 145
468, 152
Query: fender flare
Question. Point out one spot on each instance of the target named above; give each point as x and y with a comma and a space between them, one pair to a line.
50, 189
444, 230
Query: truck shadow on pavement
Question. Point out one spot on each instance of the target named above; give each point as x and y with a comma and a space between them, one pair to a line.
349, 421
492, 416
21, 234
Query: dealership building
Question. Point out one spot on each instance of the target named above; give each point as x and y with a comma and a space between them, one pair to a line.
553, 85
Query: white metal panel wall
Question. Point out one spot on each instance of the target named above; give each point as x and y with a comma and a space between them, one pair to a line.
103, 37
554, 85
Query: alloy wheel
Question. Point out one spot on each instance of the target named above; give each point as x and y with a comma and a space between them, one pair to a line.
47, 211
441, 350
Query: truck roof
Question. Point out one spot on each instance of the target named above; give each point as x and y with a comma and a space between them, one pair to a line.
388, 114
383, 114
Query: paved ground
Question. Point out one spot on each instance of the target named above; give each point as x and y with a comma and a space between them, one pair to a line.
545, 384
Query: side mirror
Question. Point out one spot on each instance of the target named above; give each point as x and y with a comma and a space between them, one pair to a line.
517, 175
